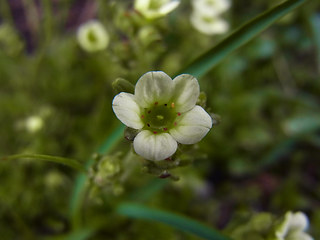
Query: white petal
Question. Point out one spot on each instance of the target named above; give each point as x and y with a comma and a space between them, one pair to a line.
299, 221
299, 236
209, 25
153, 87
154, 147
192, 127
169, 7
210, 8
186, 92
283, 228
127, 110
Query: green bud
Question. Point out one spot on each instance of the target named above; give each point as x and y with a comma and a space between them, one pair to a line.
261, 222
122, 85
202, 99
108, 168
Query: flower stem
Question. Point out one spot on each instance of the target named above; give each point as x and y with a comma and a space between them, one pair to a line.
65, 161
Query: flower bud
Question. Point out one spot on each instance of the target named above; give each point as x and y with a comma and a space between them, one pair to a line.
122, 85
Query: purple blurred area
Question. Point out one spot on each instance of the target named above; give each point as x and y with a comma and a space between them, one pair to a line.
28, 19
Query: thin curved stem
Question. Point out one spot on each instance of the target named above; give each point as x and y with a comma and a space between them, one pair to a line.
65, 161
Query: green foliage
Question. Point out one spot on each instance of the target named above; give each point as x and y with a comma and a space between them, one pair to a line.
55, 99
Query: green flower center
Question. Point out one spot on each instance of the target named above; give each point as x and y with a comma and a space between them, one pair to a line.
92, 36
160, 118
156, 4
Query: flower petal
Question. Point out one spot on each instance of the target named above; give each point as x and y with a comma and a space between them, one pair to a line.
299, 236
127, 110
168, 7
210, 8
209, 25
153, 87
192, 127
186, 92
283, 228
299, 222
154, 147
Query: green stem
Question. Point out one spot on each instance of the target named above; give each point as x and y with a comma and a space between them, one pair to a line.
65, 161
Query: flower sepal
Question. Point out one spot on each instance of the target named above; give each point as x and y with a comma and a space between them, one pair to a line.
163, 169
122, 85
130, 133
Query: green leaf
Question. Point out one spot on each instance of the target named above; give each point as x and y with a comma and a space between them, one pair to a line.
180, 222
248, 31
65, 161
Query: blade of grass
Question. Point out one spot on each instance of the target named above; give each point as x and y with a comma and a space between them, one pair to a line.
180, 222
61, 160
248, 31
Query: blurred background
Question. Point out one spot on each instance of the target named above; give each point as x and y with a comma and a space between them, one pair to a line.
55, 99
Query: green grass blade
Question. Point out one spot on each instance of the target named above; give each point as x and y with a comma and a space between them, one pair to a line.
180, 222
61, 160
239, 37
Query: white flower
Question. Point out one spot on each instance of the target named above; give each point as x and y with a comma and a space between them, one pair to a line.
210, 8
155, 8
208, 25
293, 227
92, 36
33, 124
165, 112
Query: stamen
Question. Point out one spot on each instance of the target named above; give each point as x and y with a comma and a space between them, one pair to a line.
142, 116
172, 105
175, 123
179, 114
160, 117
156, 103
166, 105
165, 129
154, 132
149, 111
148, 124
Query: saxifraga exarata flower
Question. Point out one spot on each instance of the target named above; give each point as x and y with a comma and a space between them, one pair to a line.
152, 9
209, 25
165, 113
293, 227
92, 36
210, 8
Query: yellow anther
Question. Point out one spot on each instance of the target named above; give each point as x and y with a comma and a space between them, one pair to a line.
172, 105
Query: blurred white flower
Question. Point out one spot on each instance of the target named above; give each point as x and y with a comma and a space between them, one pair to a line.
152, 9
210, 8
92, 36
165, 112
208, 25
33, 124
293, 227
